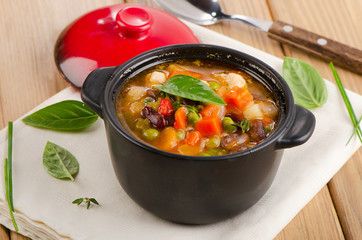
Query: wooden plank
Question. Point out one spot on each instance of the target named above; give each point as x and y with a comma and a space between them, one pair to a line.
4, 233
17, 236
344, 26
317, 213
346, 190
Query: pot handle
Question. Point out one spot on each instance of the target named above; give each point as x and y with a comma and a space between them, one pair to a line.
93, 87
301, 130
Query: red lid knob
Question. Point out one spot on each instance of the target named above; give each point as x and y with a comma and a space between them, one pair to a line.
133, 22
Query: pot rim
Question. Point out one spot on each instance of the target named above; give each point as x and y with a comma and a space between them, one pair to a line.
115, 82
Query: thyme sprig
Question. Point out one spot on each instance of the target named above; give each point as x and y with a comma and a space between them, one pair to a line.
243, 125
87, 201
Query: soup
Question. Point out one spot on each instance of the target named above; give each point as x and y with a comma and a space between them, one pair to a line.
224, 110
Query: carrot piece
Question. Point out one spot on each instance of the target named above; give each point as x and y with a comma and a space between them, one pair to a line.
167, 139
189, 73
238, 97
193, 138
186, 149
180, 118
210, 110
209, 126
222, 91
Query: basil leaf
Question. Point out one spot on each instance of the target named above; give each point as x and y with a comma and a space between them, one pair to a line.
59, 163
191, 88
308, 88
66, 115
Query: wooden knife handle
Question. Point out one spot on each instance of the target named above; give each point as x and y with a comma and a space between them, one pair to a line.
328, 49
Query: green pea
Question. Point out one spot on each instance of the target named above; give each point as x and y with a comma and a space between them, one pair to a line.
205, 155
142, 123
213, 142
154, 105
268, 129
150, 134
214, 86
222, 152
212, 152
193, 117
227, 124
180, 134
199, 107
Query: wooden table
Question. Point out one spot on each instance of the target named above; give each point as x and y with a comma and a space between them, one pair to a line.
29, 29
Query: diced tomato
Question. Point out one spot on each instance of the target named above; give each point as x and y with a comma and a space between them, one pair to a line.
209, 126
193, 138
210, 110
189, 73
238, 97
180, 118
165, 107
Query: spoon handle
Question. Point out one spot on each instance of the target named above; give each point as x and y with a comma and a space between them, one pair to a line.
328, 49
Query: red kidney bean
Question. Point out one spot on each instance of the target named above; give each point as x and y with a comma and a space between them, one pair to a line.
257, 130
157, 120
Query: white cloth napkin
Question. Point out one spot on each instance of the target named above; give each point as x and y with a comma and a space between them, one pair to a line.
44, 208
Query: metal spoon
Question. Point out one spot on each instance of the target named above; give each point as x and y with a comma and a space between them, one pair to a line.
207, 12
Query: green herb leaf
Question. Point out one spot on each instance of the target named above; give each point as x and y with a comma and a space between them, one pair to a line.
78, 201
191, 88
59, 162
308, 88
243, 125
93, 200
87, 201
8, 175
348, 104
66, 116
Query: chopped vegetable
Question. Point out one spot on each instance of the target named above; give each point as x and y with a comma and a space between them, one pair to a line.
238, 97
150, 134
180, 134
180, 118
209, 126
186, 149
193, 117
165, 107
167, 139
228, 124
214, 86
213, 142
193, 138
188, 73
210, 110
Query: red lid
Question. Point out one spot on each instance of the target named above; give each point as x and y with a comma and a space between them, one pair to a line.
110, 36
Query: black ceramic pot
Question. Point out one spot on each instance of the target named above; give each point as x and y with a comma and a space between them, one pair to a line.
193, 189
